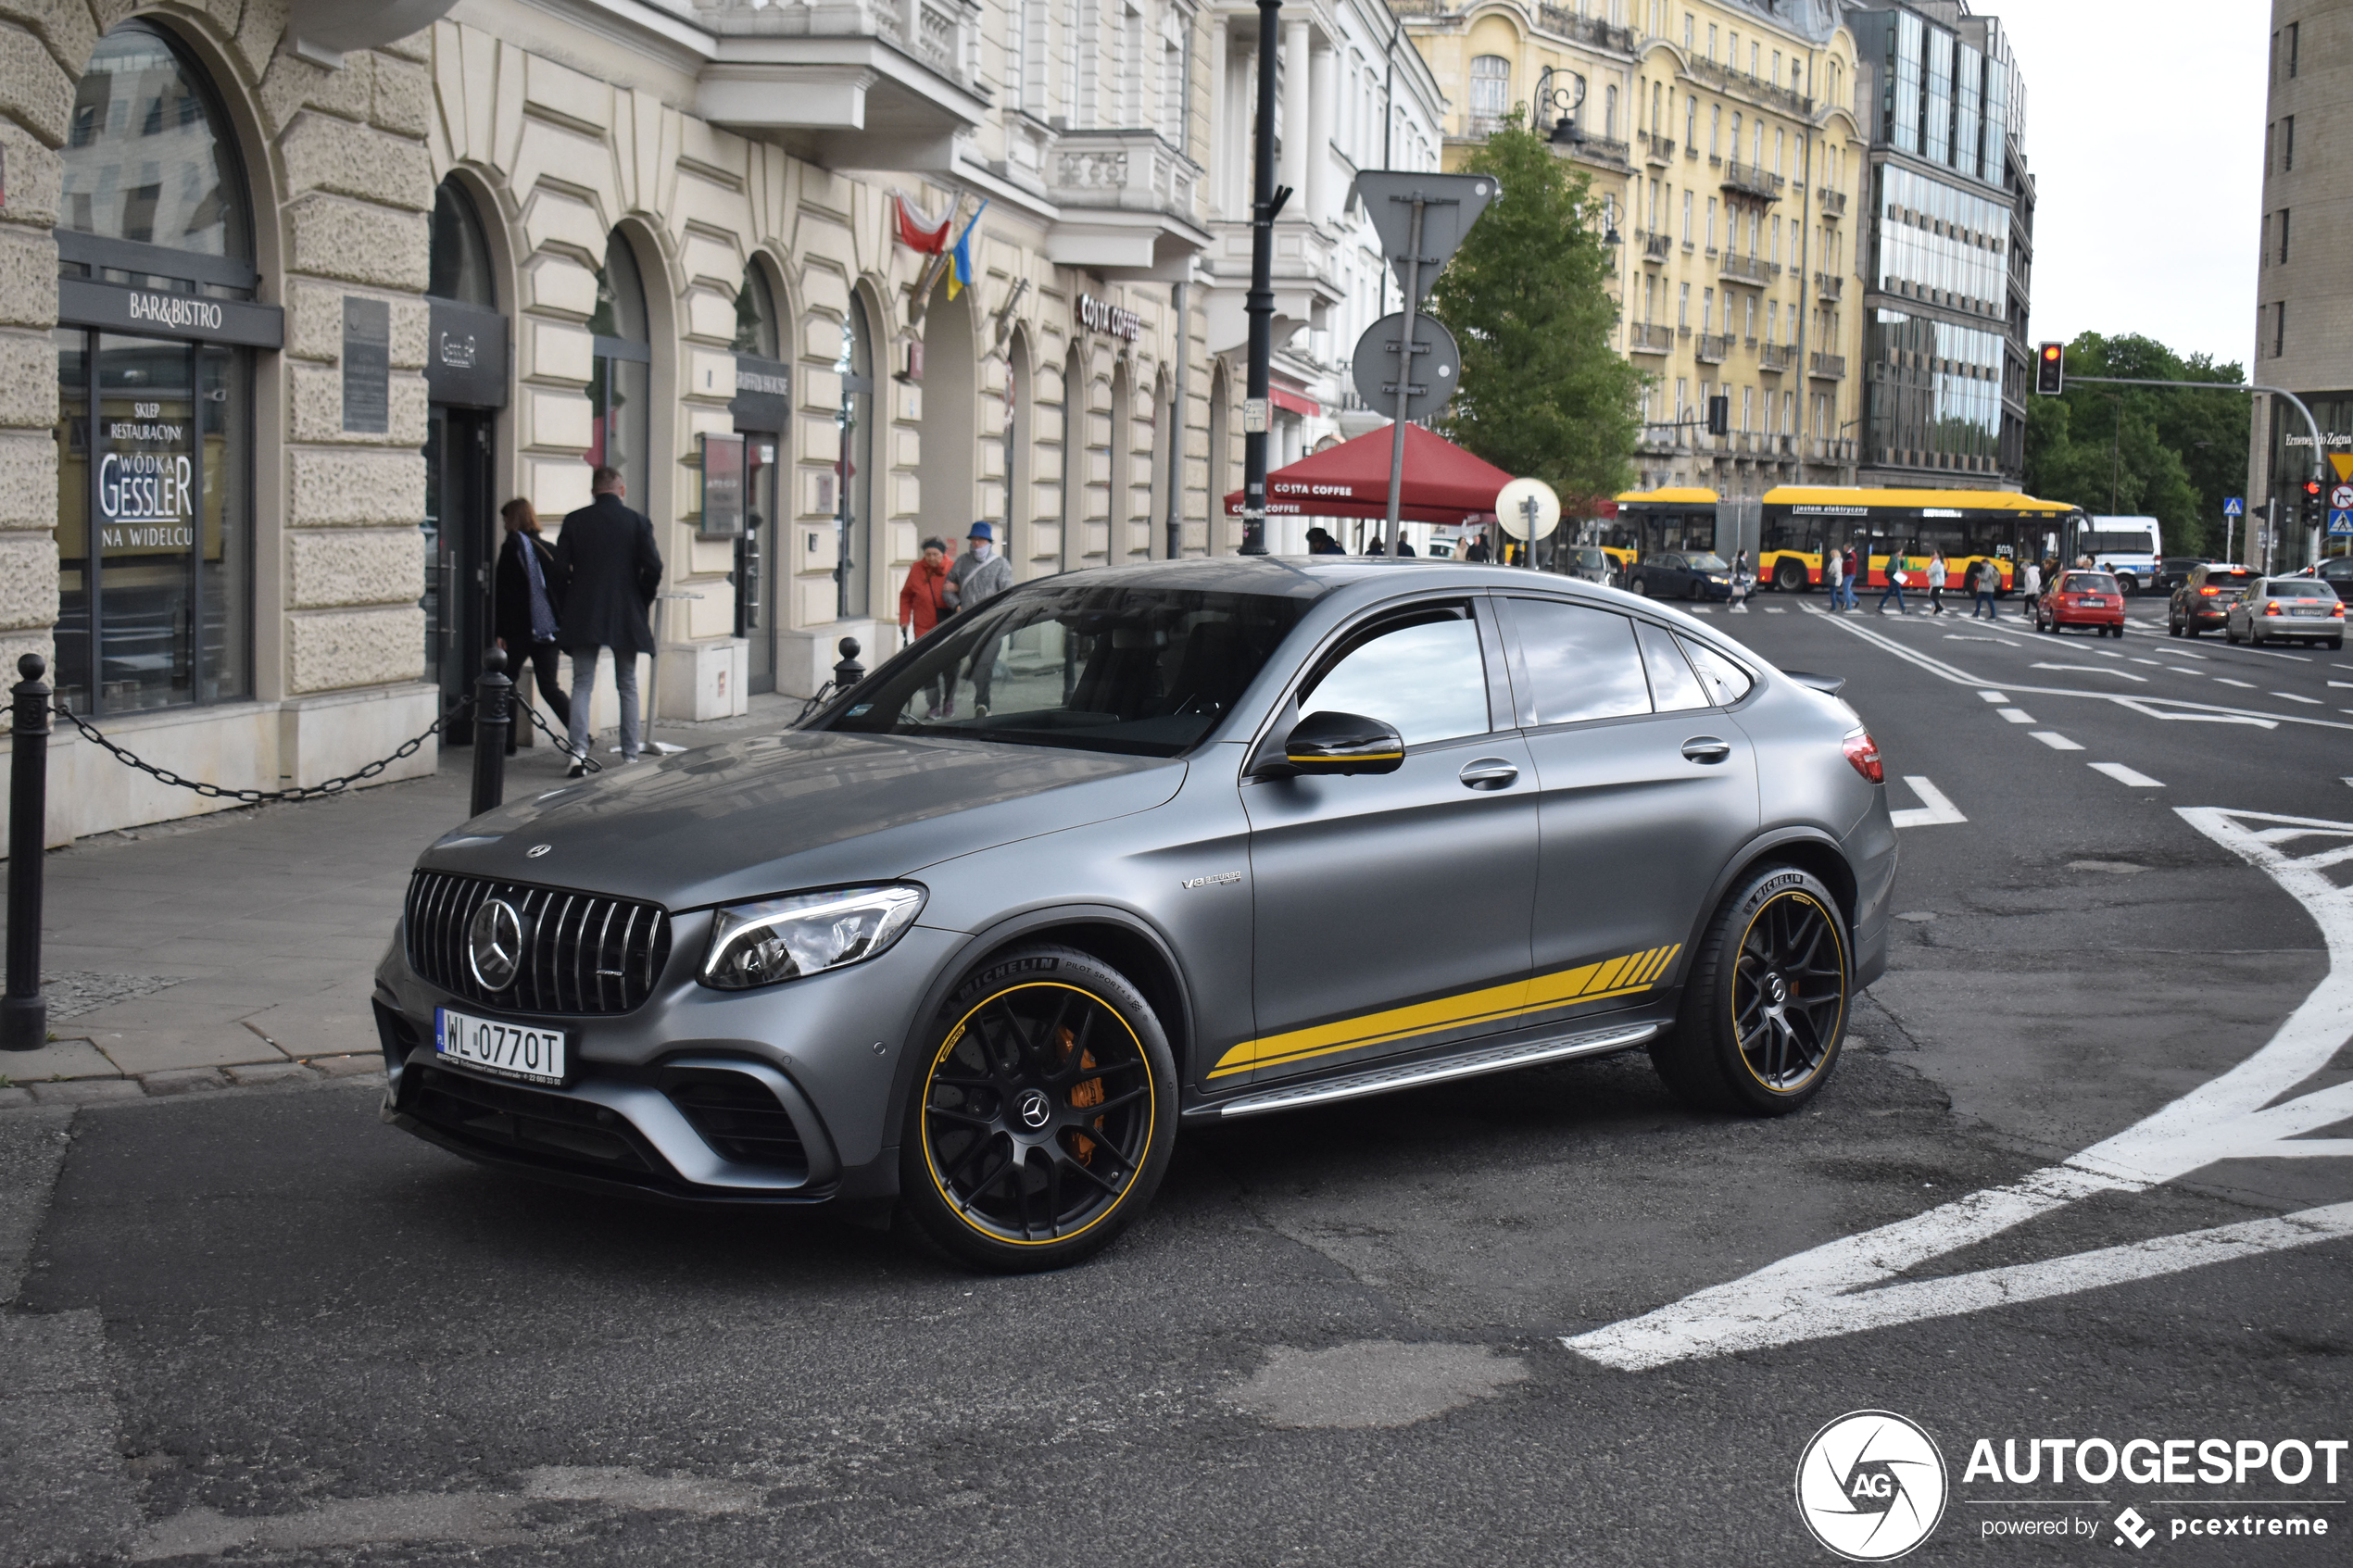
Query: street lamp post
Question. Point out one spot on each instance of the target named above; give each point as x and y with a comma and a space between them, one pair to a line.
1265, 201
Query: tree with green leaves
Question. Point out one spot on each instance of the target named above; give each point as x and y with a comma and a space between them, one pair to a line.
2143, 451
1542, 391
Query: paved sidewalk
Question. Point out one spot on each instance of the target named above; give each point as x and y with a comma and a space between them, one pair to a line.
239, 948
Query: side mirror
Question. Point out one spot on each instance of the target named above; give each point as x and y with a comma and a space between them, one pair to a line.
1342, 743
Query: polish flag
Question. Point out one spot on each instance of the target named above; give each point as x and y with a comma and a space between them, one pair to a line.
916, 235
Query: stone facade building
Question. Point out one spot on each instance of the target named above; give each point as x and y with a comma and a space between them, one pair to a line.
297, 297
1723, 140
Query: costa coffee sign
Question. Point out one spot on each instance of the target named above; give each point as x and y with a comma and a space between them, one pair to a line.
1113, 320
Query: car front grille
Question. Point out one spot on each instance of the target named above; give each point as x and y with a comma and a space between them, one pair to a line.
583, 953
737, 1117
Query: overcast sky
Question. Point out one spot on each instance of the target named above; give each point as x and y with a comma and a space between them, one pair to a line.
2144, 131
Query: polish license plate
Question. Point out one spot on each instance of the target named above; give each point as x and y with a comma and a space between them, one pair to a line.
2305, 609
503, 1050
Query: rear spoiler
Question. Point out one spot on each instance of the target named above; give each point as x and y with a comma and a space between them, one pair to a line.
1828, 685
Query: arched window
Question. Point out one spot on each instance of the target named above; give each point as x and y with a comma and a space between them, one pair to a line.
1491, 92
458, 264
620, 384
155, 433
854, 508
755, 315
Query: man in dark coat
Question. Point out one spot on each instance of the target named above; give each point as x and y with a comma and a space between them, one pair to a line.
610, 570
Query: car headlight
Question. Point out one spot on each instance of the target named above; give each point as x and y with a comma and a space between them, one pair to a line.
774, 939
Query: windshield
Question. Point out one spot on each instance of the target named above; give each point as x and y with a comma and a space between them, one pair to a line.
1590, 557
2089, 582
2227, 579
1704, 562
1102, 667
2300, 588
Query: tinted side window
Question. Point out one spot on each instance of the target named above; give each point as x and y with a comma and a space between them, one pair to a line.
1423, 675
1581, 663
1726, 680
1673, 686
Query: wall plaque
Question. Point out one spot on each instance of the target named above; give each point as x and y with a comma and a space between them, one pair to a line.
367, 365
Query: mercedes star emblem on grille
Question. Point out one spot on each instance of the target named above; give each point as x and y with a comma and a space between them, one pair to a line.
494, 943
536, 850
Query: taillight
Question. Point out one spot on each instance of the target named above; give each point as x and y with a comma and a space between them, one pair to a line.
2210, 593
2272, 607
1862, 752
2337, 610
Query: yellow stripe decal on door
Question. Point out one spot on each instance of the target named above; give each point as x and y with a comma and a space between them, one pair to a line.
1612, 977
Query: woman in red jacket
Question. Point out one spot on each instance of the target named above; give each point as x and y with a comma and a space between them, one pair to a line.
925, 600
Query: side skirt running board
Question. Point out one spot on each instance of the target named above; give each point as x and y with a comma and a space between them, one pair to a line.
1495, 1059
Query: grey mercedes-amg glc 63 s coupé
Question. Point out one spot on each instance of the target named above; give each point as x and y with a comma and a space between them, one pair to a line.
1197, 840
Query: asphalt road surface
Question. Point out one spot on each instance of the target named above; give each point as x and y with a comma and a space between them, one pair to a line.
2050, 1205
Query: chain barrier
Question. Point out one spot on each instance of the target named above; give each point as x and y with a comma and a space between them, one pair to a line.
306, 792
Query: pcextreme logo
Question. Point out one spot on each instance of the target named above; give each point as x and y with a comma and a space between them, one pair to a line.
1870, 1486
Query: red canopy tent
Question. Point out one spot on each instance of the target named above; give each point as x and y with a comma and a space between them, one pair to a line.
1443, 484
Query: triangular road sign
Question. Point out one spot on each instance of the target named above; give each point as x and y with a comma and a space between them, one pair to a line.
1453, 204
2343, 463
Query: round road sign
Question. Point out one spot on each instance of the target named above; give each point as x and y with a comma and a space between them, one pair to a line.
2341, 497
1528, 509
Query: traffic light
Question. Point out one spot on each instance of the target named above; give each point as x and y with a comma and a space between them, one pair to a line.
2050, 368
2310, 504
1719, 415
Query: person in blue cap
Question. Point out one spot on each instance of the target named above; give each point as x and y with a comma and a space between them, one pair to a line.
978, 576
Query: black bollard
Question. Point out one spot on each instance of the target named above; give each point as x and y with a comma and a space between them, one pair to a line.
24, 1015
848, 673
494, 714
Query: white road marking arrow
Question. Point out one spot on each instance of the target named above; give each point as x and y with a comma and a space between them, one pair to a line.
1846, 1286
2096, 670
1937, 811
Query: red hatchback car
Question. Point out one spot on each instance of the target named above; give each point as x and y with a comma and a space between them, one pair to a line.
2082, 598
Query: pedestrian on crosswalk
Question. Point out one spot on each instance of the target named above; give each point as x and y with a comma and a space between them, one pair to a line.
2029, 588
1936, 575
1897, 578
1988, 582
1834, 575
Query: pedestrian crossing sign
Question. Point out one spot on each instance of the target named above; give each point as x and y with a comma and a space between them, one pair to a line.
2233, 506
2340, 520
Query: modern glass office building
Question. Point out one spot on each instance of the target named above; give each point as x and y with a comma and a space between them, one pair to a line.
1949, 244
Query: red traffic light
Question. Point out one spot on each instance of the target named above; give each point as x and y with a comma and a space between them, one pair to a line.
2050, 370
2312, 488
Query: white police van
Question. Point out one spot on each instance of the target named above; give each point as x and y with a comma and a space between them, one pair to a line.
2128, 546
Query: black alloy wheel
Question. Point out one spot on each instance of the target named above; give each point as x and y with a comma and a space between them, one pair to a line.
1765, 1009
1045, 1113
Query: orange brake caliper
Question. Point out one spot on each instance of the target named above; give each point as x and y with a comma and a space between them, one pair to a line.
1083, 1095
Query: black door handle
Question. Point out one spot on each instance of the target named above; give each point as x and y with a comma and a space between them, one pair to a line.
1707, 750
1487, 773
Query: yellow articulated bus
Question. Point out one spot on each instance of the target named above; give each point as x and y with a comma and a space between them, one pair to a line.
1650, 521
1901, 529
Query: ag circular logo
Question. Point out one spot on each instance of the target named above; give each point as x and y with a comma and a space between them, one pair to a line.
494, 943
1870, 1486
